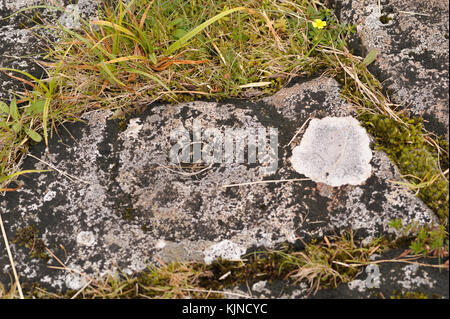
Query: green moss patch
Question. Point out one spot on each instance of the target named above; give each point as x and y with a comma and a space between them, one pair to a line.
420, 159
29, 237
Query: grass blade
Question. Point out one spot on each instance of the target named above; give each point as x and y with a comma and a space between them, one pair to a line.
125, 58
4, 178
45, 119
114, 26
42, 85
182, 41
151, 77
104, 67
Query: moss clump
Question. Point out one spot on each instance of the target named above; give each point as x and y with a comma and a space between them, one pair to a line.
322, 264
28, 237
128, 214
415, 156
123, 124
410, 295
385, 19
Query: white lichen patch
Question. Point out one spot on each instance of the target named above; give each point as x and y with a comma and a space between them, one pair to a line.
15, 5
225, 249
334, 151
260, 286
414, 278
86, 238
71, 17
49, 196
75, 281
357, 284
133, 128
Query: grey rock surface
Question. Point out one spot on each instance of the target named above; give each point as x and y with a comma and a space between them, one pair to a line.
394, 280
382, 280
412, 39
22, 41
114, 199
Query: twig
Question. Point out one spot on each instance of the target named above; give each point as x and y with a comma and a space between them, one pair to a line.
268, 181
79, 291
300, 130
406, 261
272, 30
59, 171
11, 260
70, 270
216, 48
415, 13
183, 173
217, 292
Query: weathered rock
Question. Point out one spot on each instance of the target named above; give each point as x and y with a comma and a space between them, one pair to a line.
383, 280
22, 41
115, 198
412, 39
415, 280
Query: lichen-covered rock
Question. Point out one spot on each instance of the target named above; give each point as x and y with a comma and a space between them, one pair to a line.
411, 280
117, 199
412, 39
22, 41
418, 279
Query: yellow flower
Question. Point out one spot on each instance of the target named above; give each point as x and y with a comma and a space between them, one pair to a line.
319, 24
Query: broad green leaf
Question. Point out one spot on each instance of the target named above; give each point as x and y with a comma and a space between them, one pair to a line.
16, 127
35, 107
174, 22
4, 108
370, 57
33, 134
13, 110
179, 33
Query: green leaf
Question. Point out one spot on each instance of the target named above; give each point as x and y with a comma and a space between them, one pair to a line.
13, 110
114, 26
151, 77
35, 107
416, 247
176, 21
33, 135
370, 57
4, 108
179, 33
41, 84
45, 119
16, 127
